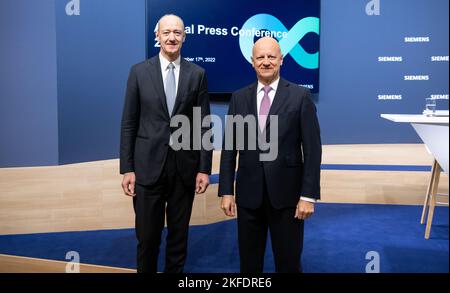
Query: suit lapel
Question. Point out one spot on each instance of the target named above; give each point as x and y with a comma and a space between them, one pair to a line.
252, 102
278, 100
253, 109
182, 84
154, 69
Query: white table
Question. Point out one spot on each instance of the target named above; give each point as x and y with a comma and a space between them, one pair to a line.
432, 130
434, 133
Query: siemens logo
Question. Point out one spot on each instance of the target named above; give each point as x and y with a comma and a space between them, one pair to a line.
390, 59
439, 97
417, 39
389, 97
439, 58
417, 77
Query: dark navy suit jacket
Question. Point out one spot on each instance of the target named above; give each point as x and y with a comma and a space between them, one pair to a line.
145, 128
296, 170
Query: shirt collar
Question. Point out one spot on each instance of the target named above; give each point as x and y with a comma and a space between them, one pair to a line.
164, 62
273, 85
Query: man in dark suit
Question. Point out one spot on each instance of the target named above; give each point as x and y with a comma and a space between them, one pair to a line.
162, 180
276, 194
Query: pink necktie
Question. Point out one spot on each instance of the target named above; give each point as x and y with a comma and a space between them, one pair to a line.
264, 109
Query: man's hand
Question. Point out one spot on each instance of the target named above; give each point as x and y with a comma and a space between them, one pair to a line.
228, 205
304, 210
128, 183
201, 183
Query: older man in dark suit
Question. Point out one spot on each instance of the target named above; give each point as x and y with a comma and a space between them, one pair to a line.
276, 194
162, 179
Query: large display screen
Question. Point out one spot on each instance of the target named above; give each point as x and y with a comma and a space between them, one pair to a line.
220, 36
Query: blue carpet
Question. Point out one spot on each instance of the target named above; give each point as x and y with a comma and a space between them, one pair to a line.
337, 239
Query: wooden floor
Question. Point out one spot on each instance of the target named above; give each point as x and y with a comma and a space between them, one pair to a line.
19, 264
88, 196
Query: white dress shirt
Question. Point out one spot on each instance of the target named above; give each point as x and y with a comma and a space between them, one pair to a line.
260, 94
165, 70
259, 97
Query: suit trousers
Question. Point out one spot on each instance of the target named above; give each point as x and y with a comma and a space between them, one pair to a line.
169, 197
286, 234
